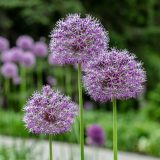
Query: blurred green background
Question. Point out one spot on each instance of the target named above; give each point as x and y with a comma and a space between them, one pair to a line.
132, 24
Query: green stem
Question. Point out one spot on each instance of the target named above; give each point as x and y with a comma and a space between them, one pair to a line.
7, 86
40, 72
115, 129
23, 85
50, 147
81, 111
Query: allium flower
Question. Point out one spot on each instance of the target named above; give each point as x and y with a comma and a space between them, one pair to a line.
76, 39
4, 44
49, 112
9, 70
40, 49
52, 60
25, 42
95, 135
51, 81
115, 74
28, 59
17, 80
6, 56
12, 55
88, 105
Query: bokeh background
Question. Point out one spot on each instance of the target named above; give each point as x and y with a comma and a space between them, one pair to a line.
132, 25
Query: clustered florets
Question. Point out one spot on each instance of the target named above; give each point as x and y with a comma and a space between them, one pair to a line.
114, 75
49, 112
95, 135
76, 39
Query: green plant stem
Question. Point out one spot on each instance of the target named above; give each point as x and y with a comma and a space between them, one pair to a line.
23, 85
81, 111
40, 74
7, 86
115, 129
50, 147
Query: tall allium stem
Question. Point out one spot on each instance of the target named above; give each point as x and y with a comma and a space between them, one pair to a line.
115, 129
40, 74
50, 147
81, 111
7, 86
23, 85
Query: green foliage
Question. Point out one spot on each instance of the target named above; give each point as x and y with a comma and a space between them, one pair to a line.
136, 132
34, 17
152, 110
15, 153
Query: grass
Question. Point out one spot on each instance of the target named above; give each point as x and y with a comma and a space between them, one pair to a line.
133, 127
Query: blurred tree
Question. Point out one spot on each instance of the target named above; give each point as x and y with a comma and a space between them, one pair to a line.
34, 17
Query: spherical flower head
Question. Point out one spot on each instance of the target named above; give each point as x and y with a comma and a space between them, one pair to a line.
114, 75
52, 60
40, 49
16, 54
9, 70
6, 56
4, 44
49, 112
17, 80
76, 39
28, 59
25, 42
95, 135
51, 81
88, 105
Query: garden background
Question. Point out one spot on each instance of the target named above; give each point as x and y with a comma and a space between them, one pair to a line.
131, 24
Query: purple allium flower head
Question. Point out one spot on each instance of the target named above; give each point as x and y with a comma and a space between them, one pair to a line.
52, 60
28, 59
95, 135
9, 70
40, 49
88, 105
76, 39
6, 56
16, 54
49, 112
17, 80
51, 81
115, 74
4, 44
25, 42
